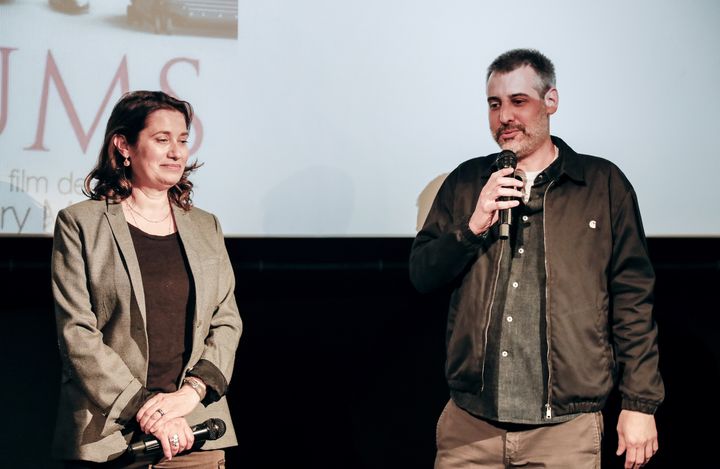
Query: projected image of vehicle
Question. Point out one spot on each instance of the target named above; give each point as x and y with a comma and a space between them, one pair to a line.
70, 6
207, 17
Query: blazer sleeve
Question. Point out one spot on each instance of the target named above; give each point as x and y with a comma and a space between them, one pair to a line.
225, 328
87, 361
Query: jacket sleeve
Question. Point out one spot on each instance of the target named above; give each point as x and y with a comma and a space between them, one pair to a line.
96, 368
445, 245
216, 363
632, 281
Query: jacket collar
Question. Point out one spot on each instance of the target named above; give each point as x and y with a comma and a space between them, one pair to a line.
190, 237
569, 161
121, 232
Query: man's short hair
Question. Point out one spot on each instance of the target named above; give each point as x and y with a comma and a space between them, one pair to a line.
516, 58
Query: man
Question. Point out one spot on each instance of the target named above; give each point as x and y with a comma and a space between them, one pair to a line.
542, 323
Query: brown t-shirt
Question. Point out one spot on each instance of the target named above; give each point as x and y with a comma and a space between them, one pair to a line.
169, 302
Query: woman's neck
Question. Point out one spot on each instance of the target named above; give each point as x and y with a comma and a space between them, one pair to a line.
149, 199
149, 210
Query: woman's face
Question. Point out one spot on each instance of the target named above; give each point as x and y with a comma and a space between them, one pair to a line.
159, 156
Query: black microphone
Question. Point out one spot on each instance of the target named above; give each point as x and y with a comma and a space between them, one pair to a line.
506, 159
210, 429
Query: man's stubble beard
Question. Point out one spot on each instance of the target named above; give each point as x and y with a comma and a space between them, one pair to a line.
530, 140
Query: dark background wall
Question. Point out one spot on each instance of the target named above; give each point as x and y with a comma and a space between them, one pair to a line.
340, 364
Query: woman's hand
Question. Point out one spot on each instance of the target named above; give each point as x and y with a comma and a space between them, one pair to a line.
175, 436
164, 407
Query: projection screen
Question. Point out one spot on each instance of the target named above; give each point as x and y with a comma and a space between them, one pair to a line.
341, 117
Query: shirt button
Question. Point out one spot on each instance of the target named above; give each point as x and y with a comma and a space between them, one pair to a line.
504, 353
521, 250
525, 218
509, 319
515, 284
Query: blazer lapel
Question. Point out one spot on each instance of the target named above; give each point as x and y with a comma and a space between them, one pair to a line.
189, 236
120, 230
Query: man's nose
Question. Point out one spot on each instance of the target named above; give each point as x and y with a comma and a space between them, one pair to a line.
506, 115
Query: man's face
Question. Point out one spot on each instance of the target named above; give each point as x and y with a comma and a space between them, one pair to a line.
518, 115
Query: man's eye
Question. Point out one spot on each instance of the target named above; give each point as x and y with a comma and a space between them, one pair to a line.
162, 140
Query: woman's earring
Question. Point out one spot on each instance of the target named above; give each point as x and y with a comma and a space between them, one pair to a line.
126, 163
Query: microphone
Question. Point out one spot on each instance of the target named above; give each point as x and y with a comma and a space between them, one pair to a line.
506, 159
211, 429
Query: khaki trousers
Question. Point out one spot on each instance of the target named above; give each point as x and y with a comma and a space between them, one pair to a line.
465, 441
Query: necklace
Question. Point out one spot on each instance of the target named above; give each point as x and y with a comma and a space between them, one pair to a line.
134, 210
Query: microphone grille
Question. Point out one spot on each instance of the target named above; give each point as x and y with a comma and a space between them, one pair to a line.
506, 159
216, 429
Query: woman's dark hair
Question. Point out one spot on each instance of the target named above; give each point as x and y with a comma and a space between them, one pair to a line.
128, 118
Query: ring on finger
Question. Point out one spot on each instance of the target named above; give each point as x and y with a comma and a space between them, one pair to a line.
175, 440
160, 411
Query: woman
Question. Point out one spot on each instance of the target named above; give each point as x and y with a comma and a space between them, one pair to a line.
146, 315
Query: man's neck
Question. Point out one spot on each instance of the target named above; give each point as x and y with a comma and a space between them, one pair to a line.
540, 158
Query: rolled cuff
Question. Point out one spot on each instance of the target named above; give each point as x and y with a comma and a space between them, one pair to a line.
212, 377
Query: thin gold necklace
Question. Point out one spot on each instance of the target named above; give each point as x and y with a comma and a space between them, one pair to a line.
135, 223
133, 209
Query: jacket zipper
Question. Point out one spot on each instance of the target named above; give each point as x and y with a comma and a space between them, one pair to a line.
548, 407
487, 326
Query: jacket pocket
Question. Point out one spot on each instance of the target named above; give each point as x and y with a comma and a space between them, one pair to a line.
577, 349
464, 364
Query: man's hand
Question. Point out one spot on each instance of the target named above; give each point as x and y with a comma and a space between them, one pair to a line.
638, 436
488, 204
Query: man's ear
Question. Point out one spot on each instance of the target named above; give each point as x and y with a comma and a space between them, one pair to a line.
552, 100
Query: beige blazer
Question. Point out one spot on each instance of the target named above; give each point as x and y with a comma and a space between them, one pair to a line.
100, 315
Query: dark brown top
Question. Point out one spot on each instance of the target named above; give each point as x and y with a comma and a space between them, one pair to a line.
169, 302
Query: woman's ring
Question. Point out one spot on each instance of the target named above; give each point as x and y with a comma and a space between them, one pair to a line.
175, 441
160, 411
